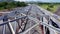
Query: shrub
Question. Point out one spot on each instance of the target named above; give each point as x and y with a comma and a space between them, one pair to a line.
9, 5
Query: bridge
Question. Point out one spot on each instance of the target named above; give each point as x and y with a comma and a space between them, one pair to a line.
31, 19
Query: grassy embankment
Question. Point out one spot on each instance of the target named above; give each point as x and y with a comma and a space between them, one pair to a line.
51, 7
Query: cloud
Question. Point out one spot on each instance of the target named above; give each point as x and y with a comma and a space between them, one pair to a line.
41, 0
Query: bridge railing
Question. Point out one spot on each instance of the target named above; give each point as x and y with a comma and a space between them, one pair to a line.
9, 24
43, 22
47, 28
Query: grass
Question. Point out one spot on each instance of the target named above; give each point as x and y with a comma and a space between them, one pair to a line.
53, 10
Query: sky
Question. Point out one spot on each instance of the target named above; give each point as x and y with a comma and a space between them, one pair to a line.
41, 0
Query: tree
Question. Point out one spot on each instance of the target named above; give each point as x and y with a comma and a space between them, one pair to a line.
3, 4
9, 5
21, 4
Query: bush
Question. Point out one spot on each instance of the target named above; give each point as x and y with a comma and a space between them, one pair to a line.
9, 5
51, 6
21, 4
3, 4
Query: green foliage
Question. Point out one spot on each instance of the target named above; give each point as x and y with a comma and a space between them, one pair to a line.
9, 5
21, 4
50, 6
3, 4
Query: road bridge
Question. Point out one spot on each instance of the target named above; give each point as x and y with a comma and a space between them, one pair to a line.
31, 19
